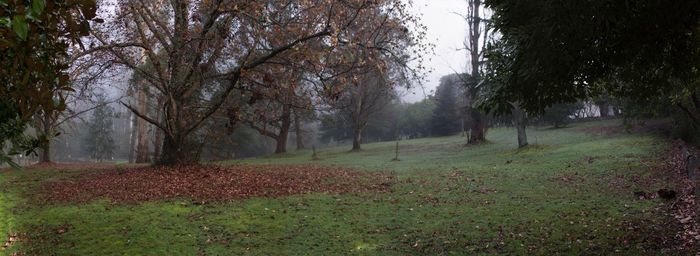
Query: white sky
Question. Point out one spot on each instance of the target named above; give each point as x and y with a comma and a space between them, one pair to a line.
447, 31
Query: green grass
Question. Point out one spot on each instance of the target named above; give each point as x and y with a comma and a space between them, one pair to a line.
449, 199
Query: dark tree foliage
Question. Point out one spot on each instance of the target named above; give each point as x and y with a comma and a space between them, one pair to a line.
446, 116
99, 142
415, 119
559, 115
238, 142
555, 51
34, 39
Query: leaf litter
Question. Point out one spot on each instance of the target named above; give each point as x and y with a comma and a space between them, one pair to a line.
207, 183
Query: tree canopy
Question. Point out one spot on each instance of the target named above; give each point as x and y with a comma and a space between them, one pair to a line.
201, 51
553, 51
34, 40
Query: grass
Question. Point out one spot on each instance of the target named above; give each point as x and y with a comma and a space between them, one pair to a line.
570, 193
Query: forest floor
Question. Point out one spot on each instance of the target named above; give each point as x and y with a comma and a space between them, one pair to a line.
576, 190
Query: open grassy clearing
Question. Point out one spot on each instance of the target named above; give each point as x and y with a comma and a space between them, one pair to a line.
571, 193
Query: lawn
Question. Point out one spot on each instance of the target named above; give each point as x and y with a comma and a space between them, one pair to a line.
571, 192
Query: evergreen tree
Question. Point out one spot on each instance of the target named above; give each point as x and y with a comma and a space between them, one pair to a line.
446, 116
99, 142
559, 115
415, 119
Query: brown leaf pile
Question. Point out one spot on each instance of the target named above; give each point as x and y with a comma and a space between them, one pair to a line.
204, 183
685, 208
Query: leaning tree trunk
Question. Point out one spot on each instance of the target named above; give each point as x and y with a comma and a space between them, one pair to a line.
519, 122
297, 128
284, 130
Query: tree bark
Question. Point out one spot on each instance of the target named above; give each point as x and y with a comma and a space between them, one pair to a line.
179, 150
519, 121
357, 139
284, 130
158, 142
358, 120
299, 132
142, 130
45, 145
604, 109
45, 151
477, 128
478, 120
132, 138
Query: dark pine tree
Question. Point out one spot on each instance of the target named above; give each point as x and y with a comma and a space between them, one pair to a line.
446, 116
99, 142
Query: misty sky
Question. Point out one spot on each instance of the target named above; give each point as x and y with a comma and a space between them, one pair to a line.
447, 31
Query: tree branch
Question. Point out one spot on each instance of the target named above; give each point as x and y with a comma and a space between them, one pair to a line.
145, 117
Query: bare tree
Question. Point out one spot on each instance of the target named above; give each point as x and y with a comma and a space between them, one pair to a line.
478, 33
200, 51
370, 95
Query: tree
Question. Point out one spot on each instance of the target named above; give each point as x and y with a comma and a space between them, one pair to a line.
520, 123
99, 142
415, 119
140, 139
272, 103
201, 51
369, 96
336, 126
559, 115
635, 49
499, 55
300, 115
382, 124
446, 118
49, 123
34, 41
478, 34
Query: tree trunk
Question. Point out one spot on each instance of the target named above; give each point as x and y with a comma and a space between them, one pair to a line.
179, 150
477, 127
357, 139
132, 138
478, 120
520, 123
45, 151
158, 142
142, 129
299, 132
284, 130
604, 109
45, 144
